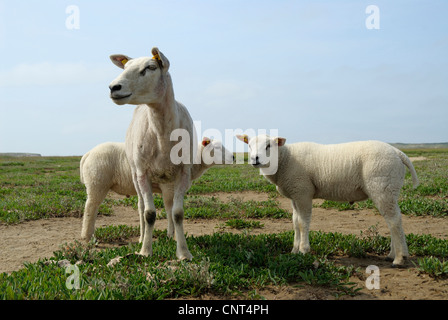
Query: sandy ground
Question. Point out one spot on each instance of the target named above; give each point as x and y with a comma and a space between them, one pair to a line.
32, 240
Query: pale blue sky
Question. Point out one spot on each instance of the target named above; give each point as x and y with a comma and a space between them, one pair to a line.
310, 69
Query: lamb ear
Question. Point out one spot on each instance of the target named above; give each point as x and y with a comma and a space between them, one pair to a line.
280, 141
160, 57
206, 141
119, 60
243, 137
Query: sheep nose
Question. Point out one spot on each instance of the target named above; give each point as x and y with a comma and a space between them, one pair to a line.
255, 160
116, 87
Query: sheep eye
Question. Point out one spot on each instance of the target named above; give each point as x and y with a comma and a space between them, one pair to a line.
150, 67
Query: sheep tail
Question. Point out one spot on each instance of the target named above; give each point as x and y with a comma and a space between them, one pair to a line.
83, 159
408, 163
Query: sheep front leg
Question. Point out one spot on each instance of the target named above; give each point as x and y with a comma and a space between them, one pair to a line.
149, 213
181, 187
301, 221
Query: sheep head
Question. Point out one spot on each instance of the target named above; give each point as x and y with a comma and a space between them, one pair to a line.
213, 152
143, 80
263, 151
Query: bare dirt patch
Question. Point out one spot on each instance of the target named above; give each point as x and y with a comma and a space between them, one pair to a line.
33, 240
418, 158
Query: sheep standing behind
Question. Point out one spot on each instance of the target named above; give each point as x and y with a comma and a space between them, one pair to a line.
106, 167
350, 172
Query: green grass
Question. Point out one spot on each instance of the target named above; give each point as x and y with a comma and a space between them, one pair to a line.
206, 207
35, 188
433, 266
116, 233
231, 178
224, 264
200, 207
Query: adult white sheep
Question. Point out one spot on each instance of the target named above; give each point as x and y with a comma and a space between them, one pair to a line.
146, 82
106, 167
350, 172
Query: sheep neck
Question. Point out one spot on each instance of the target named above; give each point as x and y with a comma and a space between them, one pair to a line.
167, 101
162, 113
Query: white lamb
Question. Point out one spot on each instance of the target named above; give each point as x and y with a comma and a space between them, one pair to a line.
106, 167
350, 172
146, 82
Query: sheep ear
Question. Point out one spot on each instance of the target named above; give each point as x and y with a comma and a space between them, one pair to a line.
160, 57
119, 60
280, 141
206, 141
243, 137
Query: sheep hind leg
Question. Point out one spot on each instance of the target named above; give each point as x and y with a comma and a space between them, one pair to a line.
391, 212
167, 195
91, 208
399, 249
295, 222
182, 186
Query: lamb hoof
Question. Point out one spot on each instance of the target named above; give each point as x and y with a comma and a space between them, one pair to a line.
397, 266
145, 253
170, 235
86, 237
185, 257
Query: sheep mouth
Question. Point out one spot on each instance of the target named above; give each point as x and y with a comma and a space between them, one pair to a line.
259, 165
117, 97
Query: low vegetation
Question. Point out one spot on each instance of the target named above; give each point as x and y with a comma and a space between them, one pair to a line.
224, 264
